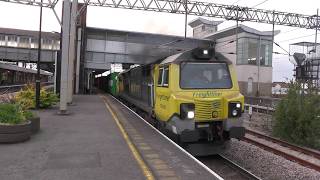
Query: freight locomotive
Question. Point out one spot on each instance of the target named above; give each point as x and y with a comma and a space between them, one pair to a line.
108, 83
192, 96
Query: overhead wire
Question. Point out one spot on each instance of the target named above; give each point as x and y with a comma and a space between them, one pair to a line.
235, 2
296, 38
259, 3
291, 30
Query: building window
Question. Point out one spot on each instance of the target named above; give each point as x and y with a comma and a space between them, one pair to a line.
248, 52
2, 40
12, 41
34, 43
203, 28
46, 44
24, 42
56, 44
266, 53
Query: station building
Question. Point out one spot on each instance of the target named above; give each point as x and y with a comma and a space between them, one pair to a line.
254, 46
19, 38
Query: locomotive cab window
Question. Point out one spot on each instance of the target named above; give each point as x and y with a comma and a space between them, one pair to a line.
205, 76
163, 79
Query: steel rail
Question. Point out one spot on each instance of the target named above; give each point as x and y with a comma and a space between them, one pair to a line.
307, 151
243, 171
281, 153
208, 9
227, 168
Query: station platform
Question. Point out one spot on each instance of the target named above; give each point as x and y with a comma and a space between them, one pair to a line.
100, 139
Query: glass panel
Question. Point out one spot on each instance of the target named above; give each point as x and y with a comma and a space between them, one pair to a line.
34, 43
2, 40
242, 55
252, 52
166, 76
248, 51
24, 42
204, 76
160, 76
266, 53
56, 44
12, 41
46, 43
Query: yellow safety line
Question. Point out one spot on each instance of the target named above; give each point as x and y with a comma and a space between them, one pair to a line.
146, 171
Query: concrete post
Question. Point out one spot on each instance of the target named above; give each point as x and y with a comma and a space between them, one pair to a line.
65, 56
72, 49
78, 61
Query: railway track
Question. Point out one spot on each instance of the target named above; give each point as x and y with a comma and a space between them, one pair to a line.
226, 168
10, 89
306, 157
14, 88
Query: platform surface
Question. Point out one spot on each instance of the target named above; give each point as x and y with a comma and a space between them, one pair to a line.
87, 144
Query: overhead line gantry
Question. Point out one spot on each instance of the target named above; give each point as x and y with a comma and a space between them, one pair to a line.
208, 9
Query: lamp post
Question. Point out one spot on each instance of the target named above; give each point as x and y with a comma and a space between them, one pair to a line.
38, 62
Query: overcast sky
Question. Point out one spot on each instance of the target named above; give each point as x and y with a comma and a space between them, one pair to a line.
27, 17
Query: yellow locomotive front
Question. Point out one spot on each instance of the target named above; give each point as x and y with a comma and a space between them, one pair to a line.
197, 98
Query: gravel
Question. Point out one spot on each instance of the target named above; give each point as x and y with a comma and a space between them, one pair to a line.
267, 165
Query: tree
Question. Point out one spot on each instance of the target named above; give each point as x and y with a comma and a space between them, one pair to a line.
297, 117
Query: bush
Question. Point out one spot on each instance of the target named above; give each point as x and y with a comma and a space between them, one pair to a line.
47, 98
28, 114
11, 114
26, 98
297, 117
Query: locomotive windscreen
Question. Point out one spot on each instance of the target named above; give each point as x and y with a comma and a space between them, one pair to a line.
205, 76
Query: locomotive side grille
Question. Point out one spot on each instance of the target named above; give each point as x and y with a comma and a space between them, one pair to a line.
205, 109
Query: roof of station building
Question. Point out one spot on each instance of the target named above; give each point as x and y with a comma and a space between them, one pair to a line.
21, 69
241, 28
30, 33
198, 21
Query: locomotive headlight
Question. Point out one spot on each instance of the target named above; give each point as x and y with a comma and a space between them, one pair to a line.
205, 51
234, 109
238, 105
190, 114
187, 111
234, 113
